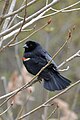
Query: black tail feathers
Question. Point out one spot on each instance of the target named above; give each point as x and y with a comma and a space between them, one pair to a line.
56, 82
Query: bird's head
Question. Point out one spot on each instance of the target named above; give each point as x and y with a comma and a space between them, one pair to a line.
30, 46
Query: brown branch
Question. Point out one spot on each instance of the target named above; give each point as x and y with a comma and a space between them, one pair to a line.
51, 99
69, 59
3, 17
6, 109
30, 18
11, 45
6, 4
7, 45
5, 7
19, 10
20, 89
52, 112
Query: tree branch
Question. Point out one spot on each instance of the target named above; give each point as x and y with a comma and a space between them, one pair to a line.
6, 109
7, 45
51, 99
19, 10
6, 4
69, 59
26, 20
61, 10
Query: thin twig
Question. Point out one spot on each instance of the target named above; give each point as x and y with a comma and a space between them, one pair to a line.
6, 4
46, 2
69, 59
51, 99
7, 45
19, 10
52, 112
6, 109
6, 22
71, 10
20, 89
40, 16
35, 15
61, 10
9, 111
2, 17
22, 108
65, 69
30, 34
43, 10
10, 45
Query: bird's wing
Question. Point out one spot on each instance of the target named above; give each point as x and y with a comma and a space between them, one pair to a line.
43, 58
40, 60
49, 58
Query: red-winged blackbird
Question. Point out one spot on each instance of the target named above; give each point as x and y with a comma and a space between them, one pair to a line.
34, 58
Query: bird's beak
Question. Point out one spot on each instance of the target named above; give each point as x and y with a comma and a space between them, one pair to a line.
25, 46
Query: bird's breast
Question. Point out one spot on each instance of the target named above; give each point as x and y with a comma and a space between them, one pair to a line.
31, 66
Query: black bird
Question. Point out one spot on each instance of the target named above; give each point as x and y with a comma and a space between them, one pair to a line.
34, 58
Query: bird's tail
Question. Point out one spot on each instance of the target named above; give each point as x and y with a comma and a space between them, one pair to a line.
56, 82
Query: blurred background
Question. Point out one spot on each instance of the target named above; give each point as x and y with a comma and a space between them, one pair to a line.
13, 74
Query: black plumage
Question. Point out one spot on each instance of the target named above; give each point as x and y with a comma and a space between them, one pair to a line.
34, 58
